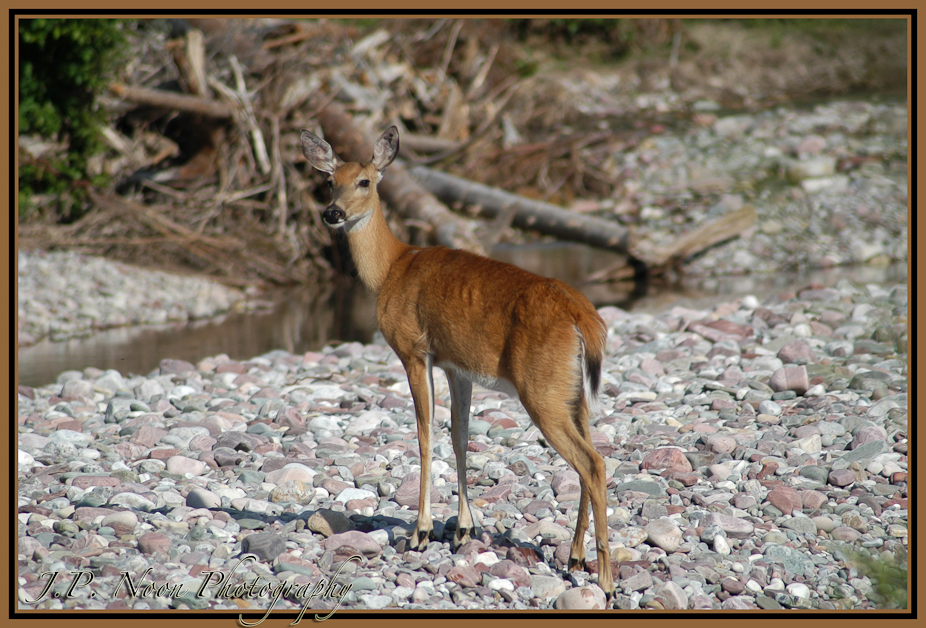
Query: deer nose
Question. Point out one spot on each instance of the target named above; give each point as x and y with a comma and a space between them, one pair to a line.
333, 215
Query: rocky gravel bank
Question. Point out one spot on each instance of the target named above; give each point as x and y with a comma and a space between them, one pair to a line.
757, 453
828, 184
64, 294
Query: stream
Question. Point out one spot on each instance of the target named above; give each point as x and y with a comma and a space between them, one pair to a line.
306, 318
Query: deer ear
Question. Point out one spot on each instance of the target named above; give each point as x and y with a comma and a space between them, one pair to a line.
318, 152
386, 148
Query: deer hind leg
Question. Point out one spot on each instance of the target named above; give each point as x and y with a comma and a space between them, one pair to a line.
422, 387
558, 425
577, 551
461, 391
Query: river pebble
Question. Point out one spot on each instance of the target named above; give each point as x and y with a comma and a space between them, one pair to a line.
725, 492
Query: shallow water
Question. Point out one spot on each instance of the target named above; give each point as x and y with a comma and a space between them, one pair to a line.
307, 318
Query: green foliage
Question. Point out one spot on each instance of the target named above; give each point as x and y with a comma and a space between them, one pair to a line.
63, 65
888, 574
622, 36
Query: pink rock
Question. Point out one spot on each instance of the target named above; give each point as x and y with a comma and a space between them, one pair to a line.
360, 504
334, 486
565, 481
652, 367
672, 596
182, 465
811, 145
130, 451
582, 598
77, 389
289, 474
796, 351
307, 566
148, 435
171, 367
89, 513
731, 328
231, 367
162, 453
290, 418
508, 569
842, 477
464, 576
785, 499
90, 542
721, 443
666, 458
408, 492
812, 499
153, 542
667, 355
845, 533
86, 481
738, 603
498, 493
201, 442
790, 378
806, 430
867, 434
266, 393
353, 542
734, 527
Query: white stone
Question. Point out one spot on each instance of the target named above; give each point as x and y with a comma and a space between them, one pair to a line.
354, 493
799, 589
501, 583
487, 558
721, 546
817, 390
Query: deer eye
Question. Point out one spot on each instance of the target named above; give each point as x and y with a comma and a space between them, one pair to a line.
329, 183
364, 183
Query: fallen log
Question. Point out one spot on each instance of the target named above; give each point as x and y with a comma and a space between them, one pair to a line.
398, 188
660, 258
528, 214
693, 242
171, 100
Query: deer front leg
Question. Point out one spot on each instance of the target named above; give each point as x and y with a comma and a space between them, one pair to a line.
461, 390
422, 387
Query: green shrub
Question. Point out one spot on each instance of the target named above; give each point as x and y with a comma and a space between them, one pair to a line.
63, 65
888, 575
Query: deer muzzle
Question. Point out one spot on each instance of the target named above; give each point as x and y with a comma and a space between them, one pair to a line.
334, 215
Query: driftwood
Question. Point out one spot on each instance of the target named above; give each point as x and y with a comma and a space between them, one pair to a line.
428, 143
658, 259
528, 214
398, 188
227, 257
695, 241
171, 100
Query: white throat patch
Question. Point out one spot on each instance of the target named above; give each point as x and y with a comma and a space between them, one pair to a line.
358, 223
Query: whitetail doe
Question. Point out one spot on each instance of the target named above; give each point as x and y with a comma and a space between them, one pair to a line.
482, 321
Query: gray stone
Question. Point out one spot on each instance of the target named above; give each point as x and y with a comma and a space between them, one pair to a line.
862, 454
265, 545
794, 561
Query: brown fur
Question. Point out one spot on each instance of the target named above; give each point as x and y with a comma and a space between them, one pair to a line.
484, 321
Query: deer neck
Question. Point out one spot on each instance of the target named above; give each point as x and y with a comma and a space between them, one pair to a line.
374, 249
